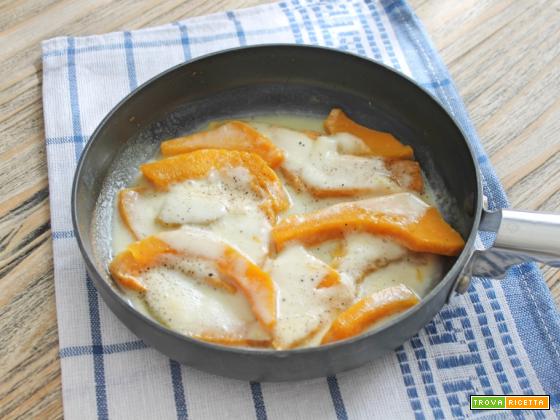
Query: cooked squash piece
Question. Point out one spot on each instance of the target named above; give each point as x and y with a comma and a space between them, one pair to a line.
380, 143
200, 163
330, 279
367, 312
407, 174
312, 134
402, 217
138, 208
127, 198
128, 267
233, 341
233, 135
255, 283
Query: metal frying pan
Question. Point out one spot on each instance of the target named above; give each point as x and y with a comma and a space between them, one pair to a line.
302, 81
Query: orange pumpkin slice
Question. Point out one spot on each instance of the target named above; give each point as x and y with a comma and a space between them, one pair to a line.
403, 217
128, 267
233, 135
312, 134
381, 143
407, 174
367, 312
332, 278
200, 163
126, 200
232, 341
138, 208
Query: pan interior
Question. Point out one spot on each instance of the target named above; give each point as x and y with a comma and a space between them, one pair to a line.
286, 81
277, 100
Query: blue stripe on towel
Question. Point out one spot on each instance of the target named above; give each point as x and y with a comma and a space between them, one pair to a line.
185, 41
65, 140
74, 351
306, 23
258, 400
409, 383
327, 37
130, 65
294, 27
427, 376
97, 351
74, 102
383, 33
178, 390
62, 234
336, 395
93, 299
369, 33
238, 28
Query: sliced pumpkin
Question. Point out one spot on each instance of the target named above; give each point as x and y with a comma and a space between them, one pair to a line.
200, 163
233, 267
312, 134
138, 208
403, 217
127, 198
407, 174
255, 283
233, 135
381, 143
232, 341
367, 312
330, 279
127, 267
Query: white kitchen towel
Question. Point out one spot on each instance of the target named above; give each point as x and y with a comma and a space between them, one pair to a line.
499, 338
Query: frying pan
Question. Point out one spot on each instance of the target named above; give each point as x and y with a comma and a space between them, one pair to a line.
297, 80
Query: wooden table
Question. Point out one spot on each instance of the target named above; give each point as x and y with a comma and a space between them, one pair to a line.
504, 56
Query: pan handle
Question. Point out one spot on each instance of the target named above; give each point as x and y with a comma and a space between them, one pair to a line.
521, 236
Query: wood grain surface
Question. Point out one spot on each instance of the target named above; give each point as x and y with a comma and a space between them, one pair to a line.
503, 54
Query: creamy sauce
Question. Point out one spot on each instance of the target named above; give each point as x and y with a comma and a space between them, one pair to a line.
225, 206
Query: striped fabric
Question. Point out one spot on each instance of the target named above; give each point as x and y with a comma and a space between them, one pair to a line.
499, 338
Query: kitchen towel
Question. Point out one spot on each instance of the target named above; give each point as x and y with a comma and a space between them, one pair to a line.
498, 338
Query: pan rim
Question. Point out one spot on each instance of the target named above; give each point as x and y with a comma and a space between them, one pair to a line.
450, 276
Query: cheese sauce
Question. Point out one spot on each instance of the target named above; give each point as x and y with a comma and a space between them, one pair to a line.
224, 203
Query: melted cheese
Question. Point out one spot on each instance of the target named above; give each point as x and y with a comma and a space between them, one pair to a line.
303, 309
364, 253
249, 231
348, 144
224, 202
194, 308
320, 165
187, 202
418, 272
